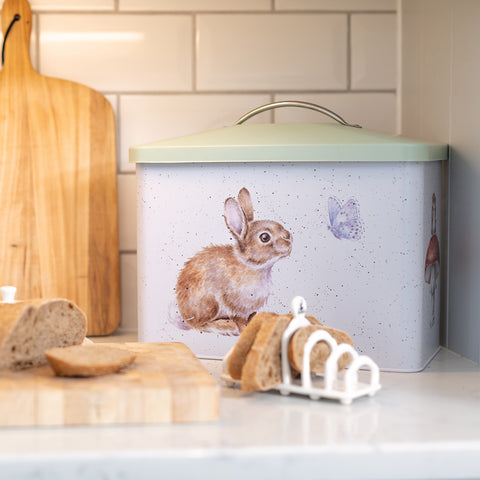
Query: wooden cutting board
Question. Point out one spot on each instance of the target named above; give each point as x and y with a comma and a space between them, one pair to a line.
59, 235
165, 384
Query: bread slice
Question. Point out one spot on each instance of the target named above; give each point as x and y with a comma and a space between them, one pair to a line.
88, 360
242, 348
28, 328
244, 344
263, 366
320, 351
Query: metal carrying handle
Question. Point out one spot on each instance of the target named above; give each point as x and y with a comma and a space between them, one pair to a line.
293, 103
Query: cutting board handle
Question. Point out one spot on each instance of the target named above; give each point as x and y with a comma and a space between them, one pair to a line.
17, 45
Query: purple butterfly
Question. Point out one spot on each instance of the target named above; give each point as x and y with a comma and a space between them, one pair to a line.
345, 221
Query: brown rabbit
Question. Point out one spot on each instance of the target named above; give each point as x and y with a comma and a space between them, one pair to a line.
222, 286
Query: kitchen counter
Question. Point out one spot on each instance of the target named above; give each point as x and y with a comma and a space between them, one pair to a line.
419, 426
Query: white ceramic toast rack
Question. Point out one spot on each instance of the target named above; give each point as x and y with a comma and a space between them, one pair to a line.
330, 384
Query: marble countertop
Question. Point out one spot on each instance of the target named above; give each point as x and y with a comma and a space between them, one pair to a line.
420, 425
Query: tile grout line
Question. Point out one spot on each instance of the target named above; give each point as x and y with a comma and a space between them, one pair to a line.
194, 52
399, 67
118, 125
209, 12
246, 92
349, 52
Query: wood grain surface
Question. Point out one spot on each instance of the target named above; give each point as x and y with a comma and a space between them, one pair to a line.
58, 192
165, 384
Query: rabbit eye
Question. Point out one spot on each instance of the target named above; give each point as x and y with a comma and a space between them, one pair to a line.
265, 237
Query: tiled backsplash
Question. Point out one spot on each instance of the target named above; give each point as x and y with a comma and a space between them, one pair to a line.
175, 67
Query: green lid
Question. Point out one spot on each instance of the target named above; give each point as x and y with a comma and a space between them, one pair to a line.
311, 142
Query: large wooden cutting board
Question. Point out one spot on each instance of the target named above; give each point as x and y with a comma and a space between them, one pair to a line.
165, 384
58, 193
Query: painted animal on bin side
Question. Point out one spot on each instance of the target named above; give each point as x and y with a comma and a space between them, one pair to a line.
223, 286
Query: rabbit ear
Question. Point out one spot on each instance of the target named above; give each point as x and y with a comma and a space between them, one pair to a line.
235, 218
246, 203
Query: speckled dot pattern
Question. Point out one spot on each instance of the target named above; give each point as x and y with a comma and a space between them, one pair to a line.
367, 280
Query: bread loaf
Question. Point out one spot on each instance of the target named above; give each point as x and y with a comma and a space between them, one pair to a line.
320, 351
28, 328
88, 360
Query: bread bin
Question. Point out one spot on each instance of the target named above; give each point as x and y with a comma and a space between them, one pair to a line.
243, 218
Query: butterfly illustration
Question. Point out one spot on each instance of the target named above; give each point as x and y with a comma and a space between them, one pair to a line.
345, 221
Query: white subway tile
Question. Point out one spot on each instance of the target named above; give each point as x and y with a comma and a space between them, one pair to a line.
373, 111
374, 51
338, 5
118, 52
128, 292
127, 212
194, 5
268, 51
68, 5
151, 118
44, 5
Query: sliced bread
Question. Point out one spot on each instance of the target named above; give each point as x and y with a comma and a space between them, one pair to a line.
256, 358
263, 366
28, 328
88, 360
242, 348
320, 351
244, 344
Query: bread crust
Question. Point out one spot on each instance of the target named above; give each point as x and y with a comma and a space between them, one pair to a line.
263, 367
242, 348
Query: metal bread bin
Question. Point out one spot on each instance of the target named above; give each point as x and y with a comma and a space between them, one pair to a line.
236, 220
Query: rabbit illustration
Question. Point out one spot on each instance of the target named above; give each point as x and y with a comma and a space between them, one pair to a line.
223, 286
